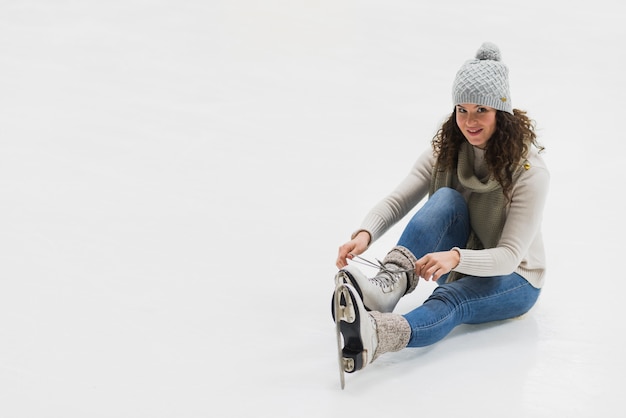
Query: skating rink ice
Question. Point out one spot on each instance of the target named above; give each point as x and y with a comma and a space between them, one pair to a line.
176, 177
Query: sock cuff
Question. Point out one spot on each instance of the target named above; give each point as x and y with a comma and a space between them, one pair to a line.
392, 331
404, 258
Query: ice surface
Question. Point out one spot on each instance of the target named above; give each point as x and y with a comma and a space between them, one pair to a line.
176, 177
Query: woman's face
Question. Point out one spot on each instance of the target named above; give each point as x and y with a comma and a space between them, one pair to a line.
477, 123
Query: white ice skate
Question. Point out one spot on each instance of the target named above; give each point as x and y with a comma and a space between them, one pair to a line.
379, 293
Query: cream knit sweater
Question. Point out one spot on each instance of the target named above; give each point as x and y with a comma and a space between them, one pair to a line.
520, 248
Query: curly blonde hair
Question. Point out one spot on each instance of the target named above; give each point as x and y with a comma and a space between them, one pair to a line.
505, 150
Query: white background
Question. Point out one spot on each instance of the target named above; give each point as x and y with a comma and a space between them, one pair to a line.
176, 177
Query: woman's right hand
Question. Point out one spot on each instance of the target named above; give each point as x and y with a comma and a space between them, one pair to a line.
355, 246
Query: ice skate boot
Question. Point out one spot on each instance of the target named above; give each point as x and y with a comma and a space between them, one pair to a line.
395, 279
363, 336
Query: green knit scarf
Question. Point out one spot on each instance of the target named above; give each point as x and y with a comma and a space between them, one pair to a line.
486, 204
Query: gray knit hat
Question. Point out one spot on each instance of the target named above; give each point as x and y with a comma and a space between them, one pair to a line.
484, 80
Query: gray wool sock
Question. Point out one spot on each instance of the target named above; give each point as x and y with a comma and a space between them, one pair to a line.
403, 258
393, 332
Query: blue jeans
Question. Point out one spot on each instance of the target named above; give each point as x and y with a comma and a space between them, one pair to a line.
443, 223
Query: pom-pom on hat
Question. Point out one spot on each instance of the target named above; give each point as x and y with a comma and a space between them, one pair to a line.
484, 80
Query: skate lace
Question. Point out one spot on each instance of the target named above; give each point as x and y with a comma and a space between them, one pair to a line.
388, 278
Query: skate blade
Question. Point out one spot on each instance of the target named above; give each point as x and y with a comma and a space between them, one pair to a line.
343, 312
341, 277
337, 305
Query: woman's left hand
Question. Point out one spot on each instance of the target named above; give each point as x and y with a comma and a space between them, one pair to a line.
434, 265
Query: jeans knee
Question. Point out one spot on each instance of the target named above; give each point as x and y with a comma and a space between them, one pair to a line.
448, 193
451, 202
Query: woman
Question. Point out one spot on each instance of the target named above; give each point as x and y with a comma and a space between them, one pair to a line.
478, 235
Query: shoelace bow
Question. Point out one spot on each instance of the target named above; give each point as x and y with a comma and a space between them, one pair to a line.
382, 280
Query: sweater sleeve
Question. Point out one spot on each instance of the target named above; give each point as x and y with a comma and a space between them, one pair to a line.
520, 247
401, 200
